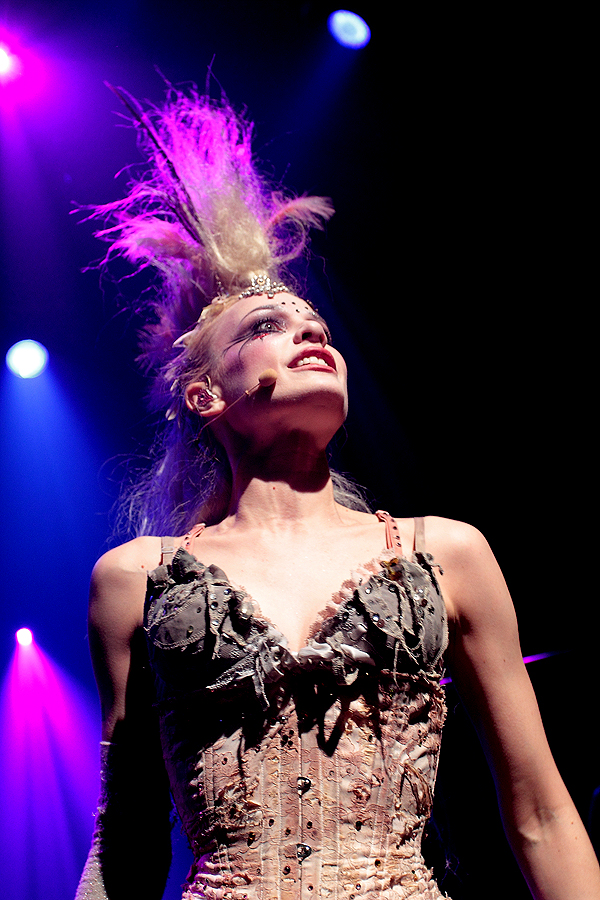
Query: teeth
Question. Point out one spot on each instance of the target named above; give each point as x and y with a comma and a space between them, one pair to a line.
311, 361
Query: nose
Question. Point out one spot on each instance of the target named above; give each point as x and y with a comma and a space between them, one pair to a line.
311, 330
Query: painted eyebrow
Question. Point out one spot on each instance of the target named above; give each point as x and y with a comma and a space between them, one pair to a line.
258, 308
278, 306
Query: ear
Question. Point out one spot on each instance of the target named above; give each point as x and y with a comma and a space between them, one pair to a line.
203, 400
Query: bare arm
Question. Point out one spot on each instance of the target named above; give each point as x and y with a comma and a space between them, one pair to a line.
540, 819
131, 851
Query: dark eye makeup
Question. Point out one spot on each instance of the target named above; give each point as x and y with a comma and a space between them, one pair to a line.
269, 324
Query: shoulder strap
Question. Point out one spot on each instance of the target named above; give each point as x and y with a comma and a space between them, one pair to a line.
167, 545
419, 534
167, 550
392, 535
191, 536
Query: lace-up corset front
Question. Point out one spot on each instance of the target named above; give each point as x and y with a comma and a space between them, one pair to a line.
309, 774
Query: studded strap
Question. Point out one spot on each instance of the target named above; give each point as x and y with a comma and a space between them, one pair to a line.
392, 535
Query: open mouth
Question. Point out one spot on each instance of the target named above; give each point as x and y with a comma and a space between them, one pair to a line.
321, 358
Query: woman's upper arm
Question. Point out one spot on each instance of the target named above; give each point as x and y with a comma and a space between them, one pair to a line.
488, 670
117, 592
134, 809
539, 816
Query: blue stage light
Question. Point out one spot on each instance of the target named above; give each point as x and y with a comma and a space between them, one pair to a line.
349, 29
27, 359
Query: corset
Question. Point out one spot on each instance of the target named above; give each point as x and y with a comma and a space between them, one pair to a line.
304, 774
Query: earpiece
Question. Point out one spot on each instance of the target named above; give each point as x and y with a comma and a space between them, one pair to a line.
265, 379
206, 395
204, 398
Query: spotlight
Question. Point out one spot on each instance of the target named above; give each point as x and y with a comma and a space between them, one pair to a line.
27, 359
10, 65
5, 61
349, 29
24, 637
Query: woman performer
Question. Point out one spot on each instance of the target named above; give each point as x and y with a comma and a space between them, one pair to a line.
300, 737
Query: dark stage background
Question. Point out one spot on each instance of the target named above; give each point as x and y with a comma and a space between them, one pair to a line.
456, 276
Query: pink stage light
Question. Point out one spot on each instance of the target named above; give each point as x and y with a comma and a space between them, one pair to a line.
23, 74
48, 778
10, 64
526, 660
24, 637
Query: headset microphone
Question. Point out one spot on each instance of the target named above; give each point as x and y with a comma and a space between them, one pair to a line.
265, 379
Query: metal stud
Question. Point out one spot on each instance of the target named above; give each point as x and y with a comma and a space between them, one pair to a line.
304, 784
302, 851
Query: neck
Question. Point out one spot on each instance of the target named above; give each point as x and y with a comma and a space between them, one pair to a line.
281, 486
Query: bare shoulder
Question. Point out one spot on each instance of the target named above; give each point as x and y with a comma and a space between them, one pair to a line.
118, 584
457, 540
116, 613
142, 554
472, 581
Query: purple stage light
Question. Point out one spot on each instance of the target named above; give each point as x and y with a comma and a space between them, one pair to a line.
10, 65
23, 74
349, 29
536, 656
526, 660
24, 637
48, 778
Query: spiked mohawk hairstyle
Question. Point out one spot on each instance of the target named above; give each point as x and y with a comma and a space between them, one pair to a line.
209, 224
202, 216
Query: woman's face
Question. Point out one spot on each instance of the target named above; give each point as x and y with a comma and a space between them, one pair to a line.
284, 334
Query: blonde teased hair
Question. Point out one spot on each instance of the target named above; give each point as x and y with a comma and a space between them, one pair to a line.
208, 223
202, 215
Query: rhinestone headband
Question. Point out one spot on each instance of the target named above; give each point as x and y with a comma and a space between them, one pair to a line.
262, 284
